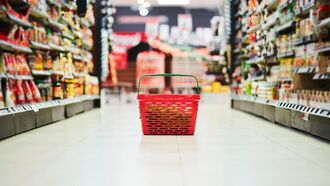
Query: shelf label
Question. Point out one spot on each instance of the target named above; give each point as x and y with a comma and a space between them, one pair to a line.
34, 108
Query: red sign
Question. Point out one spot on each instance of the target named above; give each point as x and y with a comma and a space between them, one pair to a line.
120, 59
122, 42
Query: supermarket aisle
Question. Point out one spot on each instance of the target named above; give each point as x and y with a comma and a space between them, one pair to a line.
105, 147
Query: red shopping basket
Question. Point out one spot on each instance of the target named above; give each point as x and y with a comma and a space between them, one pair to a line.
168, 114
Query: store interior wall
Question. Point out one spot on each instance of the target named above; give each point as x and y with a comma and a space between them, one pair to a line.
201, 17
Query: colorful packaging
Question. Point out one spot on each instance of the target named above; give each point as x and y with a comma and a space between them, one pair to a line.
35, 92
28, 92
2, 103
10, 99
20, 96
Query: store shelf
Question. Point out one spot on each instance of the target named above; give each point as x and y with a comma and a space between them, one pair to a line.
242, 56
16, 77
304, 11
54, 3
286, 54
286, 27
270, 21
54, 24
66, 6
68, 77
77, 57
254, 28
15, 20
305, 40
286, 79
68, 36
324, 23
304, 70
73, 50
324, 48
57, 47
45, 19
2, 76
284, 4
286, 105
256, 60
57, 72
258, 78
30, 116
87, 45
272, 5
65, 21
77, 34
21, 3
4, 45
85, 22
237, 51
256, 44
321, 76
41, 72
79, 74
36, 13
39, 46
260, 7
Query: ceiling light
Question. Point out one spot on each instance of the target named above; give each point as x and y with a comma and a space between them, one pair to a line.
143, 11
174, 2
140, 1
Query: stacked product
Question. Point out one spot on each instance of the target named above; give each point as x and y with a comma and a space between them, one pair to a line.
46, 52
282, 49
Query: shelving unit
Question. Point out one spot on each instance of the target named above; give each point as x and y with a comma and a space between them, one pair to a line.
288, 61
46, 64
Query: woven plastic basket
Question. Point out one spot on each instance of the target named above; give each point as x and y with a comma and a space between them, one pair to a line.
168, 114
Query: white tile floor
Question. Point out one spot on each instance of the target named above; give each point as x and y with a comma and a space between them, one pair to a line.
106, 147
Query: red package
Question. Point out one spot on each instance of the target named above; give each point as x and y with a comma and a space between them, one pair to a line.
12, 62
10, 95
35, 92
20, 93
28, 92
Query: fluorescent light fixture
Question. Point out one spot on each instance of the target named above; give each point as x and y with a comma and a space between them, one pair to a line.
143, 12
173, 2
140, 1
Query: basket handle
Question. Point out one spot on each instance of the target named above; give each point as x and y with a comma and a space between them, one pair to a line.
168, 75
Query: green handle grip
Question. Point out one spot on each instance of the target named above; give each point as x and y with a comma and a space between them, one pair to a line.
168, 75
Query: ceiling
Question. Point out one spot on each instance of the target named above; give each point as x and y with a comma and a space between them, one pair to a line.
193, 3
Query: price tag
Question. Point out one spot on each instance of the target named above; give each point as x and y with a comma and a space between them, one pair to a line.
305, 116
34, 108
4, 112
